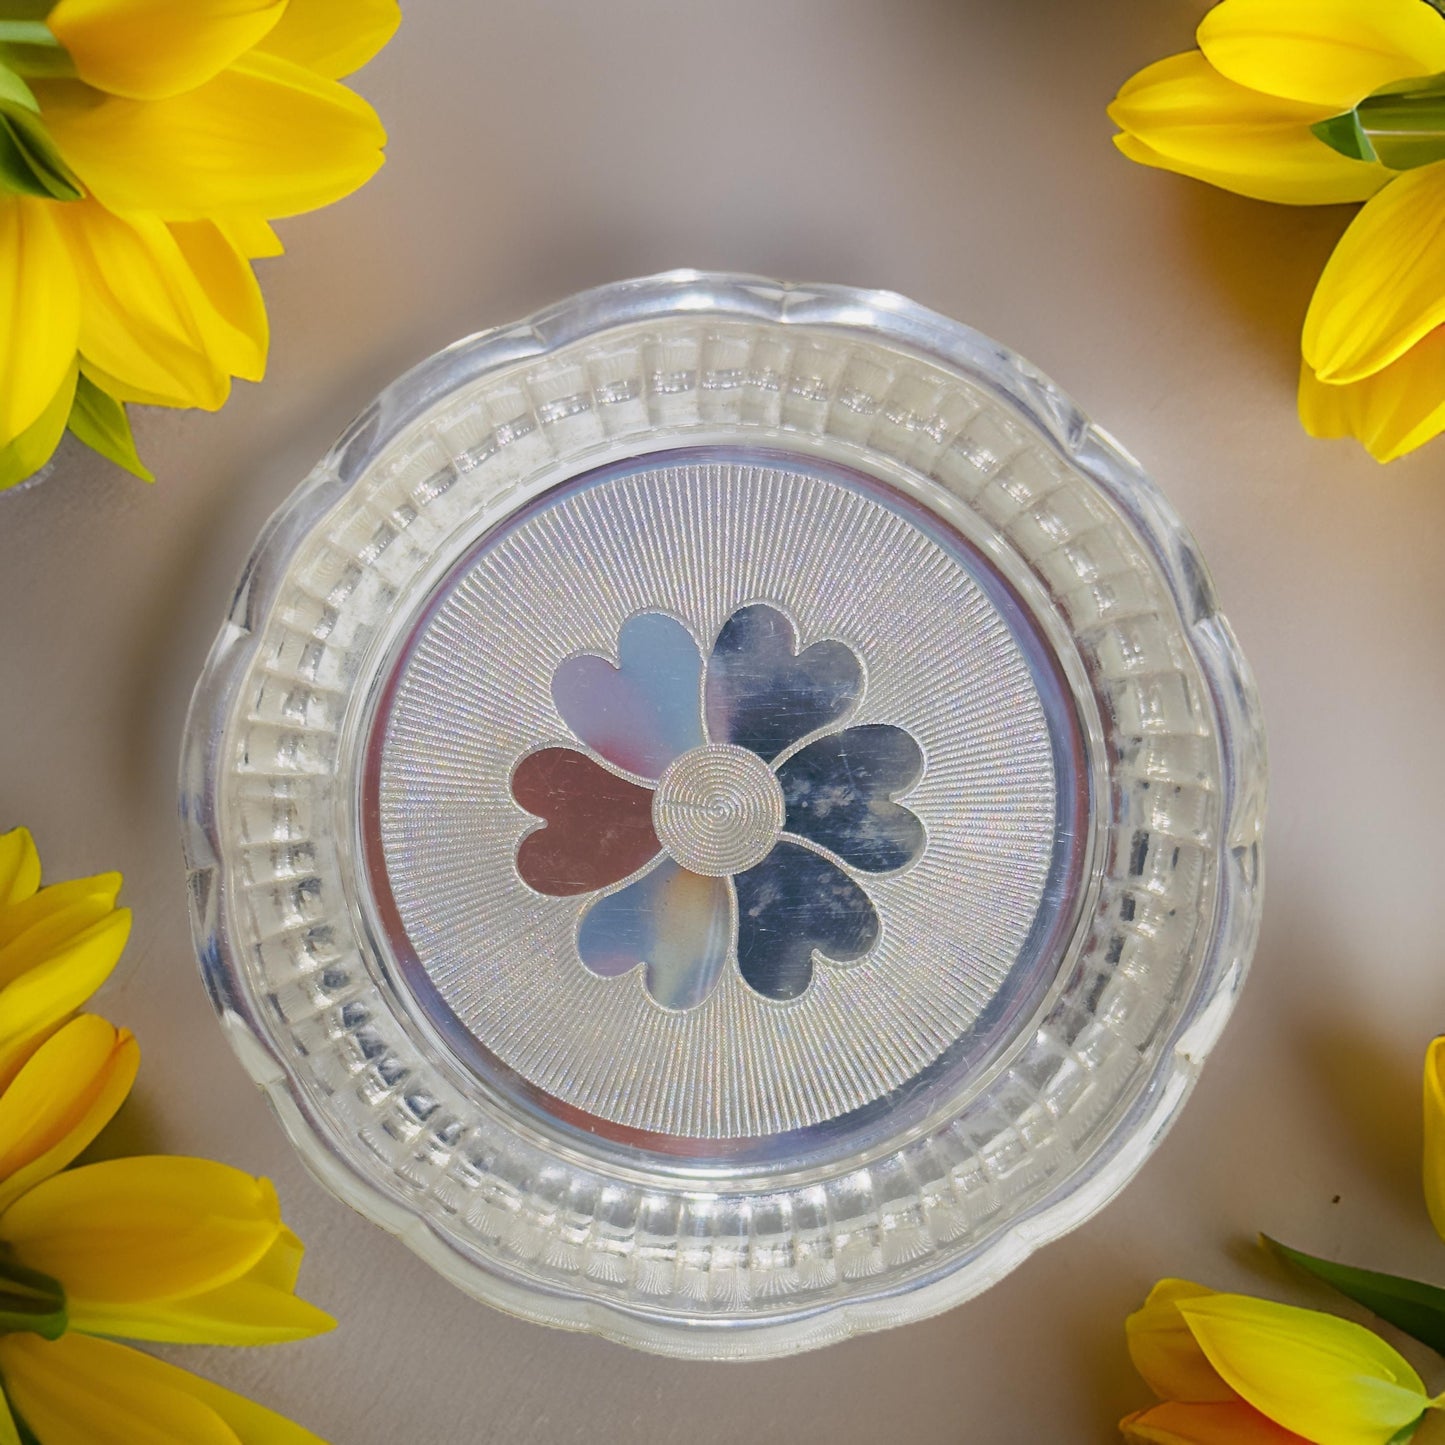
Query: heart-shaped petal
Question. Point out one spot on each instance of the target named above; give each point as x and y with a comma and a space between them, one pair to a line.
674, 922
792, 903
642, 713
839, 791
762, 694
598, 826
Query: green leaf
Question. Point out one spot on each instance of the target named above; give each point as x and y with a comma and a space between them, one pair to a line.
35, 445
31, 1301
14, 91
25, 9
99, 420
29, 161
1418, 1309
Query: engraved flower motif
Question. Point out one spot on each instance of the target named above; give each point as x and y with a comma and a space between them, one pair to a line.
717, 808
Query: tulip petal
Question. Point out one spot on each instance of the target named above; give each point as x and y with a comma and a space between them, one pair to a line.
1220, 1423
9, 1435
36, 444
1195, 121
260, 1308
252, 237
1164, 1349
333, 37
149, 322
80, 1391
225, 299
1330, 1380
67, 1092
44, 995
145, 1228
1435, 1126
113, 43
19, 867
1392, 412
93, 1392
1380, 292
1331, 53
46, 909
265, 137
39, 312
51, 937
128, 393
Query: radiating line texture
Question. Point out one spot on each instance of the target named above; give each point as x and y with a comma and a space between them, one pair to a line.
701, 542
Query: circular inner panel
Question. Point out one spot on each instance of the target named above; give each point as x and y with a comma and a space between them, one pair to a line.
716, 797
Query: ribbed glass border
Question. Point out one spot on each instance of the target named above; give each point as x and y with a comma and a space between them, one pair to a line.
900, 324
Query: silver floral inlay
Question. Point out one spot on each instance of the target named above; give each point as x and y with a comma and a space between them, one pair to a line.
764, 805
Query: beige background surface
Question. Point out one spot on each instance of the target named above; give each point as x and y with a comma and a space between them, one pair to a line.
957, 152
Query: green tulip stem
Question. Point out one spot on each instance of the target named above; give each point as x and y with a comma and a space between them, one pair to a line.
27, 32
1402, 126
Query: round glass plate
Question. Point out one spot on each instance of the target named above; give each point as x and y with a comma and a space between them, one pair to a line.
725, 814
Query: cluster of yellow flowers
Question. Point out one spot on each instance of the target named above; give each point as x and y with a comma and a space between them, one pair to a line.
1317, 102
159, 1248
1233, 1370
145, 146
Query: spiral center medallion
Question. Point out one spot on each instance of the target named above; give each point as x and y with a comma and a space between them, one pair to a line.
718, 809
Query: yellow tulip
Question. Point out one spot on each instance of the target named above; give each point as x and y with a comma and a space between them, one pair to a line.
57, 946
1181, 114
1241, 113
186, 125
1232, 1370
165, 1249
1327, 1379
1199, 1407
1435, 1134
1373, 337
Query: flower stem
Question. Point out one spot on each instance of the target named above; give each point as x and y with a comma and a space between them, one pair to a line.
27, 32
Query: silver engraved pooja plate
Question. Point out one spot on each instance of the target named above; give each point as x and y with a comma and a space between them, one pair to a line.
725, 814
